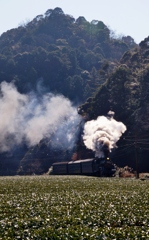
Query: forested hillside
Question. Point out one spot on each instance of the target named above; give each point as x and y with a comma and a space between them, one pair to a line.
126, 92
64, 53
83, 61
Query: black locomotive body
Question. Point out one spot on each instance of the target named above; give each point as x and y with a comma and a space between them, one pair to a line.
101, 167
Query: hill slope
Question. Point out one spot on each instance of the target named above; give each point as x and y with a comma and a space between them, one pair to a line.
126, 93
59, 54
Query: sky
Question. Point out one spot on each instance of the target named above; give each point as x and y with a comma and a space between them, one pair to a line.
129, 17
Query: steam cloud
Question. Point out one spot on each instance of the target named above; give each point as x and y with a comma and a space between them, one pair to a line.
102, 134
30, 118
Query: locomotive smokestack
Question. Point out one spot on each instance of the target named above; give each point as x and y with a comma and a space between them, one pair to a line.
102, 134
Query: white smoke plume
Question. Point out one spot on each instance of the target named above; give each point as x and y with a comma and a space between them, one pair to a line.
102, 134
26, 117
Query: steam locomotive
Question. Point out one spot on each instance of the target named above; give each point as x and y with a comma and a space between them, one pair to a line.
101, 167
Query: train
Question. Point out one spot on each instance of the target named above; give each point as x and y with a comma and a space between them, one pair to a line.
101, 167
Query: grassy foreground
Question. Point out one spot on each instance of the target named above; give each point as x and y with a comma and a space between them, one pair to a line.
72, 207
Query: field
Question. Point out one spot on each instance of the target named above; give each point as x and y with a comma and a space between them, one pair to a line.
73, 207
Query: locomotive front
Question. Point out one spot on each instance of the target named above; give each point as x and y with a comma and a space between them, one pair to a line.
103, 167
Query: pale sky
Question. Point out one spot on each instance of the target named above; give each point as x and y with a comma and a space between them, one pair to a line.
127, 17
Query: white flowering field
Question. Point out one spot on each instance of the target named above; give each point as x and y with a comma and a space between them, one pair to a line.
73, 207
